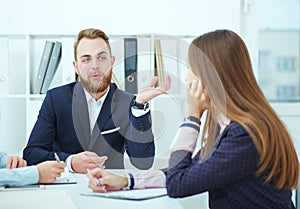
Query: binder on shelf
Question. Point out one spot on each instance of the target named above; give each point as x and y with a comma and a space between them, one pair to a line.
52, 66
130, 62
159, 67
43, 67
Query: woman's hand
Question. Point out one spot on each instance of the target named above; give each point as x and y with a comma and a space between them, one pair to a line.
107, 181
198, 100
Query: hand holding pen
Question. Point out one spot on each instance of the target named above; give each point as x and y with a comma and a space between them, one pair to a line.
94, 182
50, 170
107, 180
56, 157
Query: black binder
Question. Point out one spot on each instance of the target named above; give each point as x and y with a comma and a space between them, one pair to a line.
130, 64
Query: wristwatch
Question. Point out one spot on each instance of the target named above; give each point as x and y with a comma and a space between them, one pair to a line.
139, 106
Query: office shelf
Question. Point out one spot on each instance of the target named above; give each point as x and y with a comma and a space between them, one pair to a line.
20, 57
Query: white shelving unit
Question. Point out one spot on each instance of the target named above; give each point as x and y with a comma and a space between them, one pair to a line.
19, 60
20, 57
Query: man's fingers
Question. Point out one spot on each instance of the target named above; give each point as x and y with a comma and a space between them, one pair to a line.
100, 161
89, 154
103, 158
152, 82
167, 83
94, 160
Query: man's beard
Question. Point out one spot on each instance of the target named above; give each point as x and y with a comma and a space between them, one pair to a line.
99, 87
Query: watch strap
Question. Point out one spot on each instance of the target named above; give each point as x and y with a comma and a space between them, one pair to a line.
140, 106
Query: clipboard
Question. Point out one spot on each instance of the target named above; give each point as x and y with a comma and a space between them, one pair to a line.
66, 178
22, 188
136, 194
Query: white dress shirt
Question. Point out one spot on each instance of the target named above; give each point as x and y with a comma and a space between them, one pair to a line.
94, 107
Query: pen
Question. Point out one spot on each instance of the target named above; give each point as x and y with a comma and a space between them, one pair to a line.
96, 179
56, 157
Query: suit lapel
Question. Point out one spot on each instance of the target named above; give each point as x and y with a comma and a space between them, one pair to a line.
94, 138
107, 109
80, 116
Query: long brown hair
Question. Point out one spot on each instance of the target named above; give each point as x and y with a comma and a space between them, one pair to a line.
221, 61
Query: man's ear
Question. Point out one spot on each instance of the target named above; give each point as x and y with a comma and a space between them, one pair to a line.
75, 65
113, 59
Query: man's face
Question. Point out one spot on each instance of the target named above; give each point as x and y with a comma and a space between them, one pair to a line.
94, 64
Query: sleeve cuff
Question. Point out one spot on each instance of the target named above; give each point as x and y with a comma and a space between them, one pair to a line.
130, 185
69, 165
139, 112
186, 137
148, 179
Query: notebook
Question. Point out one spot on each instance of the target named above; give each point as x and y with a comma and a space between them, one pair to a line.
65, 178
136, 194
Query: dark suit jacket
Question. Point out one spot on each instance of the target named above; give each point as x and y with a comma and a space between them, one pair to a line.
63, 127
228, 174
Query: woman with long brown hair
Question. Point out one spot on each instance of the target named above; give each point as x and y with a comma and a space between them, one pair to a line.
247, 158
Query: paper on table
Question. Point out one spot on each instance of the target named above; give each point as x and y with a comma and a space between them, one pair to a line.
137, 194
66, 178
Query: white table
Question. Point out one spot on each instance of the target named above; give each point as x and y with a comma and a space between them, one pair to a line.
68, 196
86, 202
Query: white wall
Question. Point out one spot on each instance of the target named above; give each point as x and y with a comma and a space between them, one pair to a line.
174, 17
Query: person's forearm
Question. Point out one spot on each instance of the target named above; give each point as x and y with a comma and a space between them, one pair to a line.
19, 176
140, 144
3, 159
149, 179
186, 136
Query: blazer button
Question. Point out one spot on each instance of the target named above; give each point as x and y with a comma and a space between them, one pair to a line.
141, 127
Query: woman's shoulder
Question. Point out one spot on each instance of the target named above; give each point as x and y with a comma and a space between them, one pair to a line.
235, 128
236, 133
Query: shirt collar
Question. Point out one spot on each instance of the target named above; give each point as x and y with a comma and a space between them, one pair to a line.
89, 97
223, 122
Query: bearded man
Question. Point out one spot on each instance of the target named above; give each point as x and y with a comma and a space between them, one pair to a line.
91, 122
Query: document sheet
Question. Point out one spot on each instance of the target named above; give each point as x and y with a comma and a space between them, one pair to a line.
136, 194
